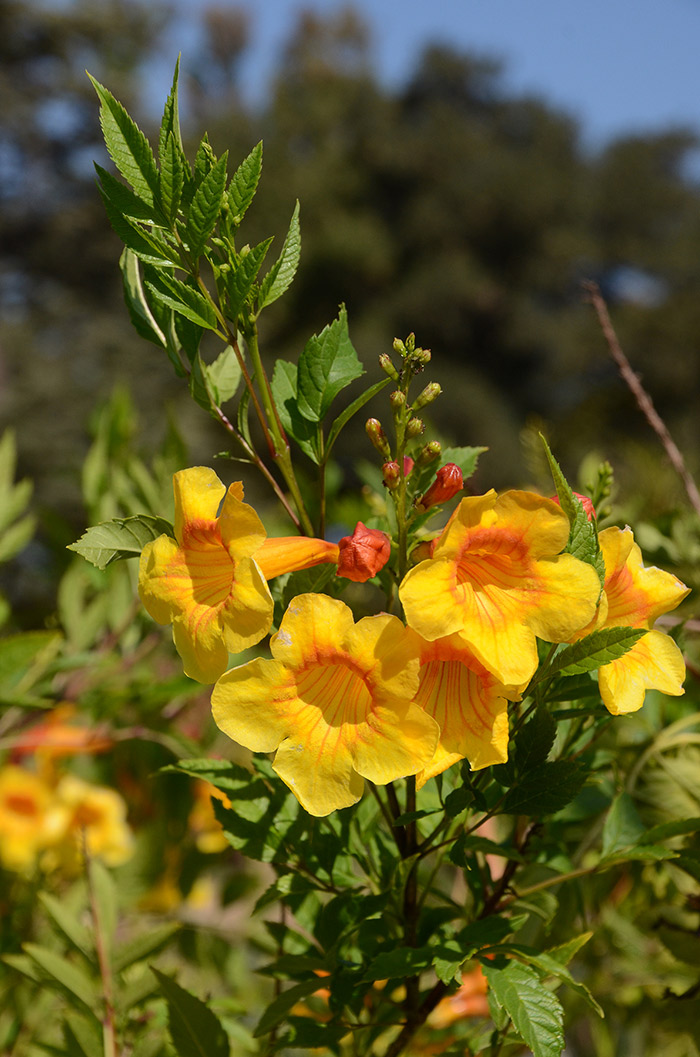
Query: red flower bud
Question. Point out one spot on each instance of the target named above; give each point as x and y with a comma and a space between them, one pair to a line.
407, 465
363, 554
586, 503
391, 475
448, 481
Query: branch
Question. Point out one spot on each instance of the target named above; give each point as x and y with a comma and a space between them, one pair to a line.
644, 401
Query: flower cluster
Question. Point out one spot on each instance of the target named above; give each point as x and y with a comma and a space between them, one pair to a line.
340, 702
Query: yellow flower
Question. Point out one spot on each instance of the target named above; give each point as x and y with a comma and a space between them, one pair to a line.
336, 702
205, 580
497, 579
469, 704
203, 823
210, 581
28, 822
96, 816
634, 596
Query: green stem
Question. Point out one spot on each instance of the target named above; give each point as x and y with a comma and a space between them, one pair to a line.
109, 1040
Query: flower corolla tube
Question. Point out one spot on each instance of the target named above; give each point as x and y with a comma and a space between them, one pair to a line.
634, 595
335, 704
497, 578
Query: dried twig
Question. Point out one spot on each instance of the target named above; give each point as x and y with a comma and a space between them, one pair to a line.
644, 401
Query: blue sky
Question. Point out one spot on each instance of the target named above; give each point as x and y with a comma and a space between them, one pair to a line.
619, 65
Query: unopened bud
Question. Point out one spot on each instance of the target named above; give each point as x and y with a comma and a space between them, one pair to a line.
408, 465
376, 434
415, 427
431, 451
448, 481
430, 393
586, 503
421, 357
399, 347
391, 475
363, 554
397, 400
388, 367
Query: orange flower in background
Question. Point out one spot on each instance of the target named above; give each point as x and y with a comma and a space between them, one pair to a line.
497, 578
55, 736
634, 596
335, 703
468, 1001
469, 704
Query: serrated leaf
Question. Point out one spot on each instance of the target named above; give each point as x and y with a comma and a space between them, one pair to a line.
328, 363
194, 1029
121, 538
124, 200
170, 124
677, 828
147, 247
128, 147
583, 537
224, 375
172, 178
72, 929
142, 318
536, 1013
239, 280
205, 207
399, 963
595, 650
564, 952
553, 967
344, 417
282, 272
534, 742
244, 184
200, 387
65, 974
278, 1009
143, 946
545, 789
186, 301
284, 392
623, 827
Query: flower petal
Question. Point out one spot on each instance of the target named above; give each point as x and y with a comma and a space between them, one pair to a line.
567, 591
246, 615
198, 493
653, 663
250, 704
314, 626
432, 598
398, 742
242, 531
200, 643
287, 554
160, 589
636, 594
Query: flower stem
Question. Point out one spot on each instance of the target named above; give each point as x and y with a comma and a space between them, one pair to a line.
109, 1040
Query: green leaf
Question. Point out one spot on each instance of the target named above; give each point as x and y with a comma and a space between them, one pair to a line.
536, 1013
140, 313
72, 929
200, 386
85, 1034
224, 375
284, 392
623, 826
194, 1029
399, 963
142, 946
183, 299
595, 650
128, 147
205, 207
121, 538
65, 974
147, 247
15, 538
534, 742
682, 943
170, 125
466, 458
344, 417
24, 651
124, 200
327, 364
277, 1010
664, 830
583, 537
244, 183
545, 789
105, 896
282, 272
172, 178
239, 281
553, 967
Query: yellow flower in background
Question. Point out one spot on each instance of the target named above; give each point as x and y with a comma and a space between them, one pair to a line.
210, 581
634, 596
203, 823
469, 704
95, 817
497, 578
28, 819
336, 703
